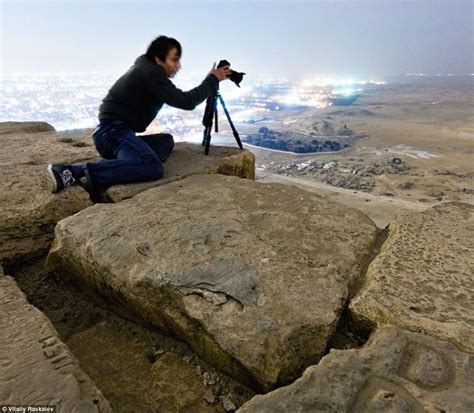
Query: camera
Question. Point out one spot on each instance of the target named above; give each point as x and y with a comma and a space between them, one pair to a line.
236, 77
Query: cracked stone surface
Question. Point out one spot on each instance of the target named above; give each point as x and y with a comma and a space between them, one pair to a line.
254, 276
36, 367
397, 371
423, 278
29, 212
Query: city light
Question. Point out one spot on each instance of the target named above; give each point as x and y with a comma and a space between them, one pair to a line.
72, 100
345, 92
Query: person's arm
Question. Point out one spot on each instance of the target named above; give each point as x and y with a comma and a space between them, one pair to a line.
164, 90
168, 93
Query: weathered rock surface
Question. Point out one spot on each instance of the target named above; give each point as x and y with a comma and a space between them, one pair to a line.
25, 127
29, 212
119, 366
254, 276
36, 367
397, 371
423, 278
189, 159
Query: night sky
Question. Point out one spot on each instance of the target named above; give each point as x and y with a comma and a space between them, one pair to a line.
281, 39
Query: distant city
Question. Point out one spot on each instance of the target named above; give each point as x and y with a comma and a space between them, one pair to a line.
71, 100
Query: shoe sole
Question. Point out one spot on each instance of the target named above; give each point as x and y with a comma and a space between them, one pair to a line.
53, 185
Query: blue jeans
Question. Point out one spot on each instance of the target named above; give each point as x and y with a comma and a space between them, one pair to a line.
127, 158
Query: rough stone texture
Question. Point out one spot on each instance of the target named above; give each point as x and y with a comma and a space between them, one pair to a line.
119, 366
254, 276
29, 212
36, 367
397, 371
423, 278
25, 127
189, 159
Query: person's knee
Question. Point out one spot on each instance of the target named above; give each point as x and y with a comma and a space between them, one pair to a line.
153, 167
168, 140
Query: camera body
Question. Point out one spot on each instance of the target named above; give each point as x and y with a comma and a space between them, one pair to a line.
236, 77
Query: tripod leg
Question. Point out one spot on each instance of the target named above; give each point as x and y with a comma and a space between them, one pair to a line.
208, 142
214, 114
207, 138
207, 121
215, 121
234, 131
208, 116
204, 135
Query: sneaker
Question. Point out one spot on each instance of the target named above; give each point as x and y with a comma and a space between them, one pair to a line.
60, 177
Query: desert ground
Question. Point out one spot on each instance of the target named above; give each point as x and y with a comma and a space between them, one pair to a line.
428, 130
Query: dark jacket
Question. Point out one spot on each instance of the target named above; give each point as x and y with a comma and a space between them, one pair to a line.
139, 94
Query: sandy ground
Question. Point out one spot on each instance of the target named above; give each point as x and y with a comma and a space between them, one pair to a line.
429, 128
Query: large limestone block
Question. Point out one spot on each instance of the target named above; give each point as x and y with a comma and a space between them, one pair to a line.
254, 276
397, 371
189, 159
423, 278
36, 367
28, 211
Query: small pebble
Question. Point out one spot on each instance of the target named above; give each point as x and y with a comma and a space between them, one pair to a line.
209, 396
187, 358
158, 351
228, 404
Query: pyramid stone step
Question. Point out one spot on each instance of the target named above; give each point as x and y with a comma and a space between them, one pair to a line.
188, 159
396, 371
37, 368
423, 278
254, 276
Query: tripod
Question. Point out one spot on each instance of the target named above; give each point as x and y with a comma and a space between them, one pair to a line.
210, 113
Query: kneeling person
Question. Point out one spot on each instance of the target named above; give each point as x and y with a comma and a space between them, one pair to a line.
129, 107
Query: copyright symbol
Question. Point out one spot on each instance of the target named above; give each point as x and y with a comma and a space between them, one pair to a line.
4, 409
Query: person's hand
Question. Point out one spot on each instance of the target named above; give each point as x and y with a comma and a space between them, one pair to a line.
222, 73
